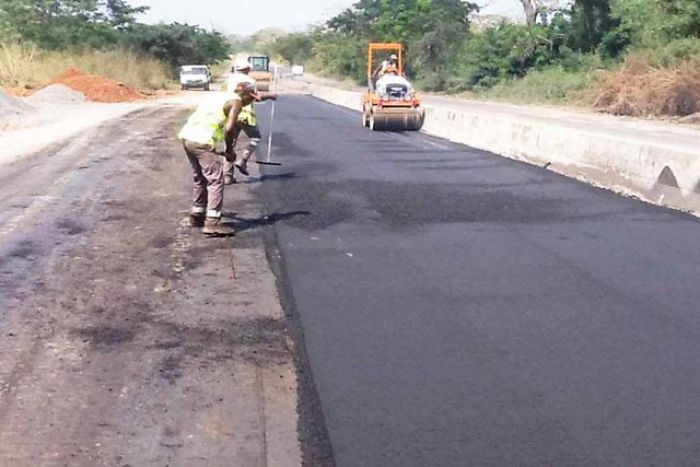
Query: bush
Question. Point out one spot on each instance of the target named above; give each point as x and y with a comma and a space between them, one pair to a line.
672, 53
23, 66
505, 53
548, 86
641, 89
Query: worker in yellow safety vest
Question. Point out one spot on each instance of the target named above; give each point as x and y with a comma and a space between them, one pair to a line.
247, 119
208, 138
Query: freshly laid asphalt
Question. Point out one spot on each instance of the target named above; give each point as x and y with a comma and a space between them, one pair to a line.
459, 308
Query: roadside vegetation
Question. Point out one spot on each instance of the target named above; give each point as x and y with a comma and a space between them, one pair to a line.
25, 67
41, 39
631, 57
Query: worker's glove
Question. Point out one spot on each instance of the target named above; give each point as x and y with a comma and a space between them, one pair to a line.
230, 155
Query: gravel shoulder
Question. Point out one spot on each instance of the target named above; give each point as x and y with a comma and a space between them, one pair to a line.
126, 338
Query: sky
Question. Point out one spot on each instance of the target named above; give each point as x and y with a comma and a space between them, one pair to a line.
245, 17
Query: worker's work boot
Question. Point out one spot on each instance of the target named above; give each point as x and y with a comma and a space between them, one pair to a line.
242, 166
229, 180
215, 227
197, 220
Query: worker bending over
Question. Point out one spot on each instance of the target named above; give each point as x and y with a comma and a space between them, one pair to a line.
208, 134
247, 120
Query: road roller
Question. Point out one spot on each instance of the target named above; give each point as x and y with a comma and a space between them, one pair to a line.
261, 71
390, 103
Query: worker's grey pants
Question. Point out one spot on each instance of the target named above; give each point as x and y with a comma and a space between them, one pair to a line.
254, 135
208, 174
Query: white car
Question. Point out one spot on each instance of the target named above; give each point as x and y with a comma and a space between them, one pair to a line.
195, 76
297, 71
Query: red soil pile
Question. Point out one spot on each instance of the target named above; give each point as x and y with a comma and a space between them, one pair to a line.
17, 91
69, 73
98, 88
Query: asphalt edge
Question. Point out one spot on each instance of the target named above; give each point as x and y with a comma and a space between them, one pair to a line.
316, 447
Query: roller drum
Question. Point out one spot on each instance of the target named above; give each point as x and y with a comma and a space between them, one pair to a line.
398, 119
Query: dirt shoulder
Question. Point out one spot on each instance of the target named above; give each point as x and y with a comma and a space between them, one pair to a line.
127, 337
42, 125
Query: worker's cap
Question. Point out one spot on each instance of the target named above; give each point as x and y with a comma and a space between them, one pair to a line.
247, 88
241, 64
393, 57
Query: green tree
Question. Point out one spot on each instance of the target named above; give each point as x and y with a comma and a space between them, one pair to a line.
294, 48
241, 44
178, 44
120, 14
57, 24
432, 32
435, 51
653, 23
60, 24
591, 22
509, 51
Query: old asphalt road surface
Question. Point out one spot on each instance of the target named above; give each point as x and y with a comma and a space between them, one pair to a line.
127, 339
463, 309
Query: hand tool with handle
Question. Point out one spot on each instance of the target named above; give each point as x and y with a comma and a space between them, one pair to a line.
269, 139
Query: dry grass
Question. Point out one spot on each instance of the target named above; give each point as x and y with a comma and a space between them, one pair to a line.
642, 90
25, 67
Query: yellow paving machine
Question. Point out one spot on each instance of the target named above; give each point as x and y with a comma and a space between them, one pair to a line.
389, 104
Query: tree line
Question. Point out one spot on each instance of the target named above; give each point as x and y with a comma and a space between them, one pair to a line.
107, 24
448, 49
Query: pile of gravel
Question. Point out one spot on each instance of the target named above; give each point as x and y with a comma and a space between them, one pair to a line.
14, 112
12, 105
56, 94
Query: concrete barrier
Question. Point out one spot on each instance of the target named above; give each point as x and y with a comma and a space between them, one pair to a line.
664, 171
348, 99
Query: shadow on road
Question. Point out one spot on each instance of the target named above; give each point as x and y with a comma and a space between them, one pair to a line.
268, 178
242, 224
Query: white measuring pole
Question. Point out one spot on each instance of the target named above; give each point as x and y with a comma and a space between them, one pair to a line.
269, 138
272, 115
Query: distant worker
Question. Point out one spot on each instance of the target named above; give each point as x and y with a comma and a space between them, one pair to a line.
387, 66
210, 130
248, 122
239, 74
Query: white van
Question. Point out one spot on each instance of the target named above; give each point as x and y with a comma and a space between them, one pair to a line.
297, 71
195, 76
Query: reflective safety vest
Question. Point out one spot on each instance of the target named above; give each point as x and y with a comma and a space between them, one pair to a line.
206, 124
247, 116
